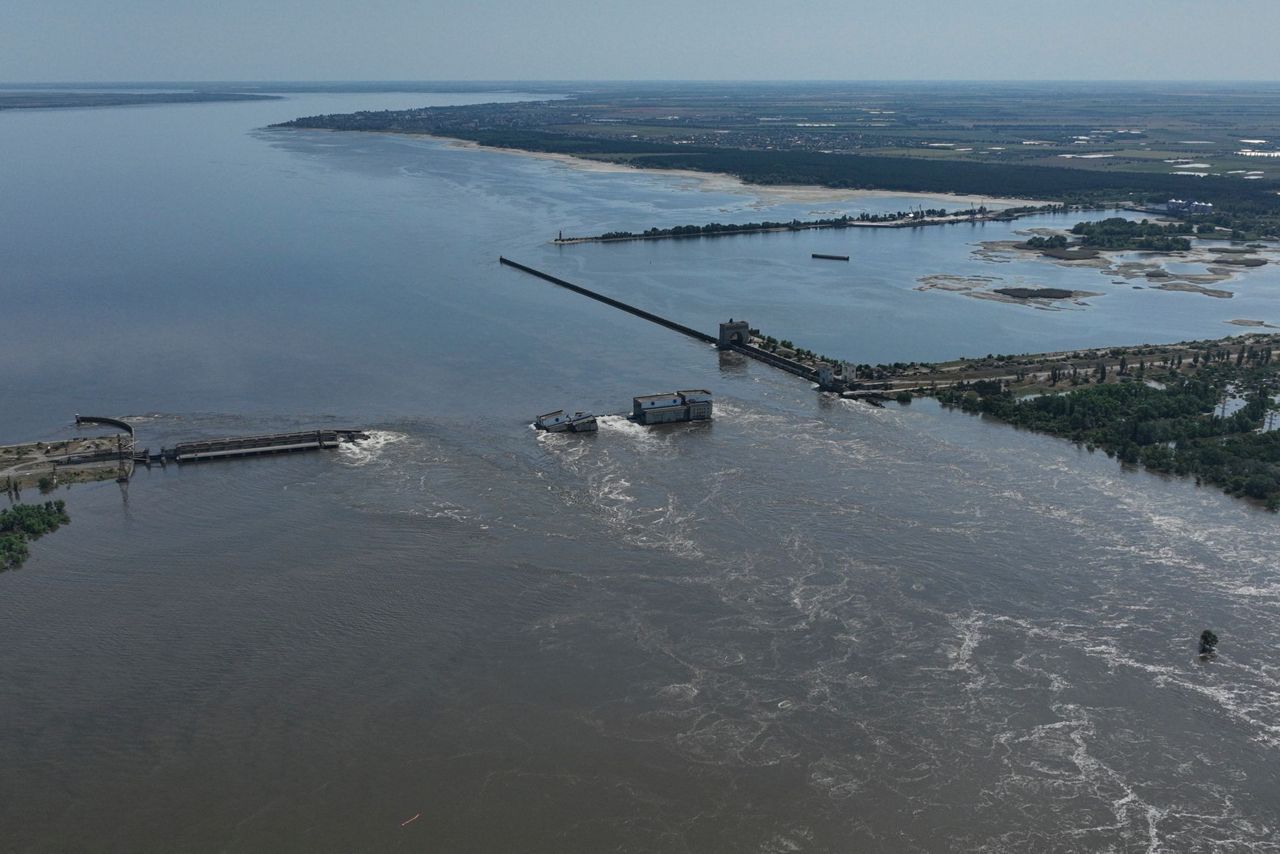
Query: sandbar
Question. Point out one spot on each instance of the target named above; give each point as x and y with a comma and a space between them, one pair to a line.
721, 182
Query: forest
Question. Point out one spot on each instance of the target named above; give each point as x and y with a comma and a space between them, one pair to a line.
1182, 424
862, 171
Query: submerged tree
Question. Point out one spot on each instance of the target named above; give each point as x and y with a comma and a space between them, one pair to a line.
1208, 643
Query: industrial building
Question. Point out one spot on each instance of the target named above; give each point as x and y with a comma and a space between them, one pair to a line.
672, 406
1183, 206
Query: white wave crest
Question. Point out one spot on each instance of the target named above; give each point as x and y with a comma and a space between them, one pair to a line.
369, 450
623, 426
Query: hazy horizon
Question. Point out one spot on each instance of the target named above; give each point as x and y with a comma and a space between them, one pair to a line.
707, 81
146, 41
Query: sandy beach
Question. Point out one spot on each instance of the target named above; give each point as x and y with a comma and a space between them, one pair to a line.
720, 182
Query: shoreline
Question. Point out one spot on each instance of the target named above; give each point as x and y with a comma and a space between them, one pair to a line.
723, 182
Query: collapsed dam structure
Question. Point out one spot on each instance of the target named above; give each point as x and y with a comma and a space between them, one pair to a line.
83, 459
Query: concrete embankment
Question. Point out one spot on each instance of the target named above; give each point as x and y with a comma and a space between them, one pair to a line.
791, 366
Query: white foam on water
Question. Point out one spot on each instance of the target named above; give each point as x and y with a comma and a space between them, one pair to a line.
683, 691
727, 410
369, 450
836, 780
441, 510
620, 425
1249, 696
798, 839
969, 628
609, 490
606, 486
567, 447
667, 527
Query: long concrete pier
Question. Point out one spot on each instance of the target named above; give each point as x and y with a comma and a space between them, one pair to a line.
630, 309
738, 346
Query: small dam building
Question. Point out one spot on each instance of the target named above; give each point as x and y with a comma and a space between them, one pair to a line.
735, 332
835, 378
672, 406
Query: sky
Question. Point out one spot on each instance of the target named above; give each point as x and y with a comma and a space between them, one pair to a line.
159, 40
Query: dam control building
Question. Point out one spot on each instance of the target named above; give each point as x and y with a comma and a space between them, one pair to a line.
672, 406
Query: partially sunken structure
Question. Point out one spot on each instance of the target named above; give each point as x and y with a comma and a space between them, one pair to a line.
564, 422
672, 406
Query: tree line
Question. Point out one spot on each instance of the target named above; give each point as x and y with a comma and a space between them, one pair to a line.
24, 522
1181, 427
714, 228
1118, 233
504, 127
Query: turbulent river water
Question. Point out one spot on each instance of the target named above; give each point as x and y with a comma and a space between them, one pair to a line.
810, 625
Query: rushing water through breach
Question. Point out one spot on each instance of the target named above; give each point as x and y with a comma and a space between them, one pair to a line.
808, 625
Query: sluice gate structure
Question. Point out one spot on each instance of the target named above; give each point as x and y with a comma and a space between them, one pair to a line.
734, 336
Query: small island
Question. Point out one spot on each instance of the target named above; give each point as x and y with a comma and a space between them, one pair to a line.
1099, 244
1241, 262
1113, 233
982, 287
1118, 233
898, 219
1037, 293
